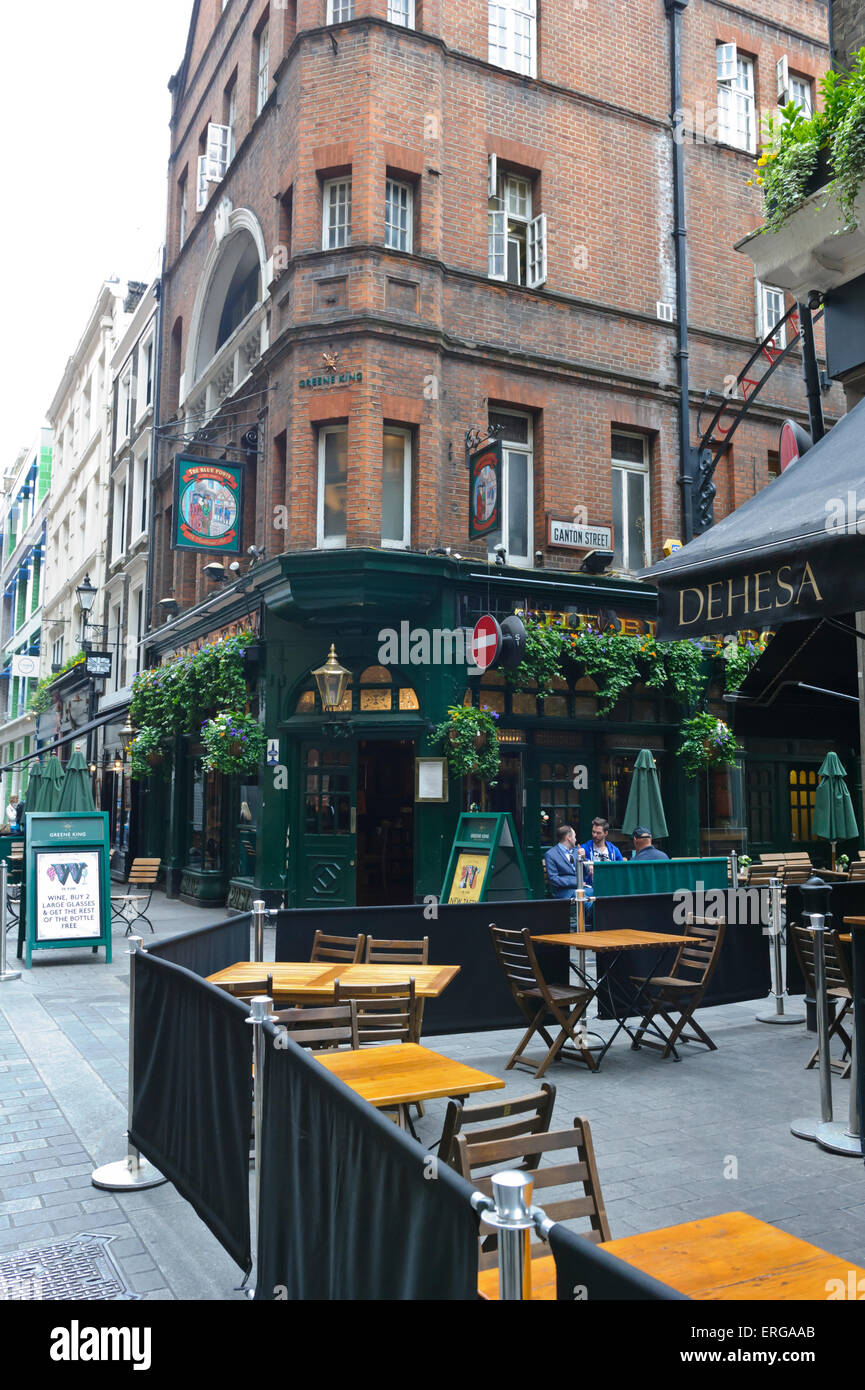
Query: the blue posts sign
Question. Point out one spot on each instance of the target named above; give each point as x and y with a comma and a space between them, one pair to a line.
208, 505
68, 883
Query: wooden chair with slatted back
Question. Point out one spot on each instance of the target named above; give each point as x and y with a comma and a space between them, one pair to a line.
540, 1002
143, 874
857, 871
341, 948
248, 989
474, 1153
330, 1029
501, 1119
799, 868
681, 991
839, 986
761, 875
381, 952
385, 1013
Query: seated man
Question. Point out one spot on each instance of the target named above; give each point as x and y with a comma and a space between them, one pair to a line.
561, 865
598, 851
643, 847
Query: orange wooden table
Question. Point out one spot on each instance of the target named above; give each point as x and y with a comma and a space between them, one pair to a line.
402, 1073
306, 982
731, 1257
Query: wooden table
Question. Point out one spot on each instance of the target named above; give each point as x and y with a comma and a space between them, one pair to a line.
402, 1073
307, 982
722, 1258
617, 941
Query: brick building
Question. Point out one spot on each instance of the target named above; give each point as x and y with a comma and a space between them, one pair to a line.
393, 221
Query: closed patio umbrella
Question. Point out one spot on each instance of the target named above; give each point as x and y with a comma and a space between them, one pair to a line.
34, 788
76, 794
52, 784
833, 810
644, 799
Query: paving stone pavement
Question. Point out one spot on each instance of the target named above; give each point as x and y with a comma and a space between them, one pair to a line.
674, 1140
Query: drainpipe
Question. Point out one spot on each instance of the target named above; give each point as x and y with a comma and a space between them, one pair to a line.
687, 480
154, 453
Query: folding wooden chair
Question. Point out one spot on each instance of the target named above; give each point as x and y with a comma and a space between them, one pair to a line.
341, 948
499, 1154
248, 989
518, 1115
383, 952
540, 1002
681, 991
385, 1013
143, 874
331, 1029
857, 871
839, 986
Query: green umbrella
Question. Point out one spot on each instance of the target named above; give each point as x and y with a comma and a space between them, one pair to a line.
644, 799
34, 788
76, 794
833, 810
52, 784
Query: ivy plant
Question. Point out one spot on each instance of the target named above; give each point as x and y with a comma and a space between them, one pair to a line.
176, 698
707, 742
471, 743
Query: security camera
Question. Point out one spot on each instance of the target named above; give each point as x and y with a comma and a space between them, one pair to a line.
501, 554
539, 557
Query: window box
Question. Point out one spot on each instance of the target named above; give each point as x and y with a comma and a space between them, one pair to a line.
809, 252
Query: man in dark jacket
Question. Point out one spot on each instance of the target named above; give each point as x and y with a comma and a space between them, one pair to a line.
643, 847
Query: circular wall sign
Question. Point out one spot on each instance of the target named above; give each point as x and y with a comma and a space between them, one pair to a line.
486, 641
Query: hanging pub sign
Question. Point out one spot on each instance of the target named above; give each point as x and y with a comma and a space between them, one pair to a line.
68, 894
98, 663
208, 505
485, 478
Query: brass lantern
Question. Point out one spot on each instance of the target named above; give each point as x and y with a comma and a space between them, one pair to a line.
332, 680
127, 734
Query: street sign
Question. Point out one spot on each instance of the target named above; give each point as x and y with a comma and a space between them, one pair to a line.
793, 442
486, 641
575, 536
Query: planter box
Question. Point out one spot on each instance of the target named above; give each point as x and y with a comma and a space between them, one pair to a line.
810, 252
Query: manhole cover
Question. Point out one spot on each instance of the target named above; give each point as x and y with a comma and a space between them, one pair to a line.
81, 1268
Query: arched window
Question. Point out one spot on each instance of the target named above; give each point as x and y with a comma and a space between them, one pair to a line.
234, 290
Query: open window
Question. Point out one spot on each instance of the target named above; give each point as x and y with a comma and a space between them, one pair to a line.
736, 116
517, 240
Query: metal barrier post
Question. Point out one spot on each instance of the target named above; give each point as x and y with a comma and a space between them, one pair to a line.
133, 1171
776, 961
849, 1139
512, 1217
4, 973
734, 869
805, 1128
258, 922
261, 1006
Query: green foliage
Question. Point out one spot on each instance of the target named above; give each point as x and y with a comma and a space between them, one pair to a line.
545, 647
149, 744
685, 663
707, 742
738, 661
177, 698
471, 742
610, 658
41, 699
235, 743
795, 142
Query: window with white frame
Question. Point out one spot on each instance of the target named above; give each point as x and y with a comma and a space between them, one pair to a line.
118, 543
145, 379
513, 35
401, 12
736, 116
516, 241
138, 509
230, 115
124, 406
218, 152
332, 485
336, 214
771, 308
262, 66
800, 92
630, 477
517, 499
57, 652
339, 10
396, 488
398, 215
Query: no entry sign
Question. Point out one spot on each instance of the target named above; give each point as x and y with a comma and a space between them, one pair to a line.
486, 641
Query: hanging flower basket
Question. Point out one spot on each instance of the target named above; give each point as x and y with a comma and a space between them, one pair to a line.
147, 752
234, 744
155, 758
472, 742
707, 742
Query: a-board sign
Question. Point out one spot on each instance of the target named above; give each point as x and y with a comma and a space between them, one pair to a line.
68, 887
486, 863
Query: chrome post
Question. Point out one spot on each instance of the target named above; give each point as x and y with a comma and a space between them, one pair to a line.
837, 1138
4, 973
258, 922
133, 1171
261, 1006
734, 869
804, 1128
512, 1217
776, 959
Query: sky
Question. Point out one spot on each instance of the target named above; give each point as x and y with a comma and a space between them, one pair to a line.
86, 108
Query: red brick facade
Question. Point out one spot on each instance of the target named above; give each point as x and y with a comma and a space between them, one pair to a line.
437, 342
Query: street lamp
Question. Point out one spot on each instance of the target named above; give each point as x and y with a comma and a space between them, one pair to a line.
332, 680
86, 595
127, 734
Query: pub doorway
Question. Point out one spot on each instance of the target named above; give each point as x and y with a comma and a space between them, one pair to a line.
385, 822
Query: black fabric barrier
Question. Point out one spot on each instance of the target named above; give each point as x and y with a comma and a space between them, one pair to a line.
207, 949
349, 1207
192, 1094
848, 900
583, 1271
742, 971
479, 997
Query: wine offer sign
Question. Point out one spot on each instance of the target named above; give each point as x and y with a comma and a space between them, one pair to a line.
67, 901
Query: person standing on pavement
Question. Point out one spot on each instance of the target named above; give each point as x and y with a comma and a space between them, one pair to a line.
643, 847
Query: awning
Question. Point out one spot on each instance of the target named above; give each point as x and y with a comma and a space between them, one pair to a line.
804, 665
796, 550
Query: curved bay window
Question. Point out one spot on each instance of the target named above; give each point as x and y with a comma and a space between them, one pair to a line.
375, 692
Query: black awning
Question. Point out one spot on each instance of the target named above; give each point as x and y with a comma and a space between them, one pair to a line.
805, 664
796, 550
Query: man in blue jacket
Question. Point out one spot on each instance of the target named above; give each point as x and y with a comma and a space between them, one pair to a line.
598, 851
